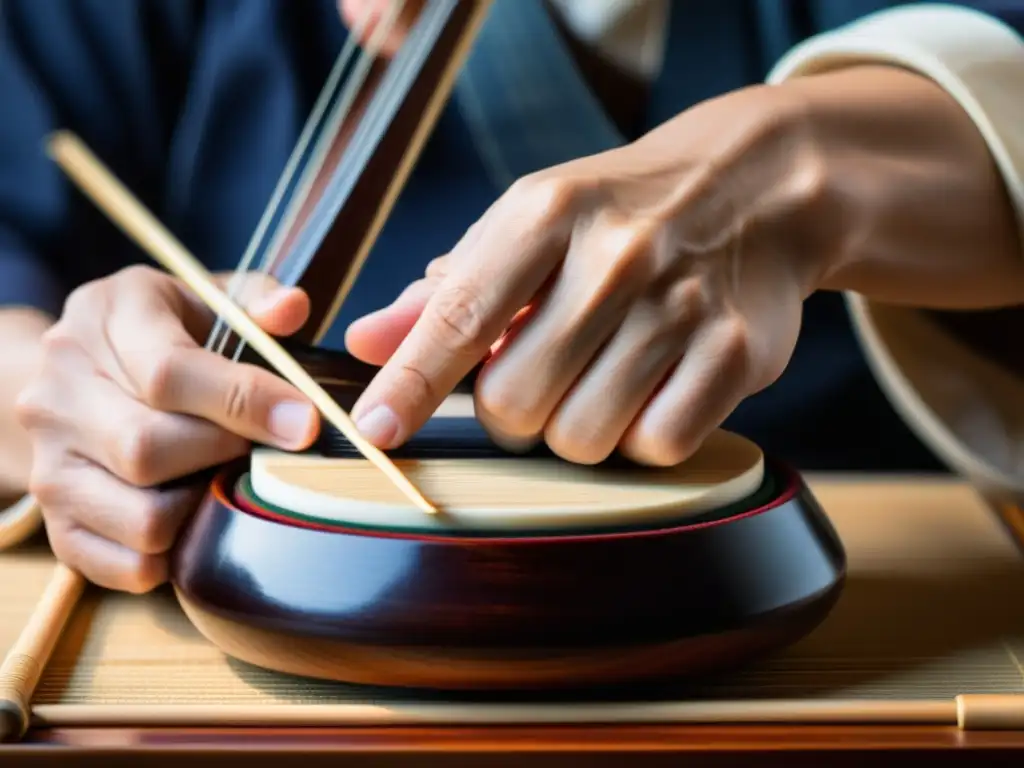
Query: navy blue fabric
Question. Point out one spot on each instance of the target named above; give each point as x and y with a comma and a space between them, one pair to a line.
196, 105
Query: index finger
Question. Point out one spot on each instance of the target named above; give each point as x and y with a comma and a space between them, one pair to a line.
507, 264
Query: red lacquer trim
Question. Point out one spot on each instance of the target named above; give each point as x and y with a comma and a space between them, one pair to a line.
220, 494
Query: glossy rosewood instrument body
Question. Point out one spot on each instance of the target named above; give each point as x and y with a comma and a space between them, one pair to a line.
451, 609
448, 611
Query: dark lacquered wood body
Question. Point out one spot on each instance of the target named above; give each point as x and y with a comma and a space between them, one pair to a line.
458, 612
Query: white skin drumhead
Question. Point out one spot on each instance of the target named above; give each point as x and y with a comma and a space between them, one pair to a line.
511, 494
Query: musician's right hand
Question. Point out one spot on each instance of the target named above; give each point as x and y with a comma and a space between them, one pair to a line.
126, 400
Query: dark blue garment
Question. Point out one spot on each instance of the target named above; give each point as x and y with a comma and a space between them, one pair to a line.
196, 105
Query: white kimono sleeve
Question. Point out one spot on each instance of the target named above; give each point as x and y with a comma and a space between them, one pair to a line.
966, 408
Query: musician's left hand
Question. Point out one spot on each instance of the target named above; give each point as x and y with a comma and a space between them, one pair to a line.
663, 282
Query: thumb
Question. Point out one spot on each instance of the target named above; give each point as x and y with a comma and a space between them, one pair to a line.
280, 310
374, 338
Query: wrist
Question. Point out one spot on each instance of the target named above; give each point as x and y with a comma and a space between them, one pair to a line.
915, 190
750, 176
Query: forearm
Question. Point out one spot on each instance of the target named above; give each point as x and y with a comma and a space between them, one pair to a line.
20, 333
924, 217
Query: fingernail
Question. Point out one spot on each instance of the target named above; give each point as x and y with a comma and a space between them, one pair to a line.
379, 426
267, 301
292, 422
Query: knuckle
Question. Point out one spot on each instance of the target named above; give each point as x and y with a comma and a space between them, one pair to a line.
142, 580
146, 574
85, 297
620, 259
240, 396
631, 246
62, 542
156, 530
510, 411
143, 574
61, 350
734, 348
138, 273
657, 444
577, 444
665, 450
811, 181
159, 378
67, 542
416, 383
438, 267
459, 319
495, 407
685, 301
58, 338
32, 407
543, 197
47, 486
137, 453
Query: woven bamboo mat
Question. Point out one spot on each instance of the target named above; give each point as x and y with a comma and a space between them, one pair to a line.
932, 610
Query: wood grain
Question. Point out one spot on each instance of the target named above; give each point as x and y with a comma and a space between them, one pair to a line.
456, 611
27, 657
934, 571
566, 747
923, 618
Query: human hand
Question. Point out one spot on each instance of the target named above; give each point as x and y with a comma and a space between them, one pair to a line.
127, 399
629, 300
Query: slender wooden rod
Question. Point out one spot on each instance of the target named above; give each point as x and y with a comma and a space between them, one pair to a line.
794, 712
27, 658
114, 199
972, 712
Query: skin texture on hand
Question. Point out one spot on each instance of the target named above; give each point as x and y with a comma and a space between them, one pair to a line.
928, 222
633, 299
664, 283
125, 399
22, 330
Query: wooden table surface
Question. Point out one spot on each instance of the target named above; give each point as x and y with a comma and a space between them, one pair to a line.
575, 745
632, 746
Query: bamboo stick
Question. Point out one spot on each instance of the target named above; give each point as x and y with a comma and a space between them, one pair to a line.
24, 663
129, 214
795, 712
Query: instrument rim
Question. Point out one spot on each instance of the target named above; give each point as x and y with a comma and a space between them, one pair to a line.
788, 488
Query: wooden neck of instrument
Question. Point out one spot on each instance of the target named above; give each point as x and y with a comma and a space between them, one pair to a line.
370, 158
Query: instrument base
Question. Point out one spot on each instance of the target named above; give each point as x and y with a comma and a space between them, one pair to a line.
474, 613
